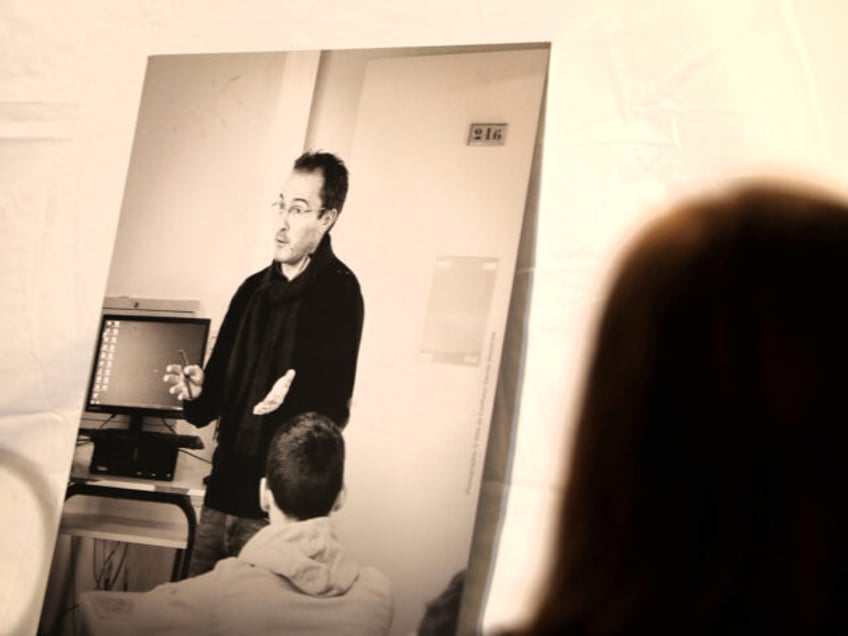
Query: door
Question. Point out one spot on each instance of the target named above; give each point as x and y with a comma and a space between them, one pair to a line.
431, 229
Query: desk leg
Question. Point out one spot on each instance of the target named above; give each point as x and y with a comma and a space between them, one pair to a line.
181, 501
180, 569
183, 557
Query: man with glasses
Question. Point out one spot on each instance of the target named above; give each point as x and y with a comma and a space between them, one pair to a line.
288, 344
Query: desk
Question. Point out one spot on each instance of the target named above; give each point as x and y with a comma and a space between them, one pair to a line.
185, 492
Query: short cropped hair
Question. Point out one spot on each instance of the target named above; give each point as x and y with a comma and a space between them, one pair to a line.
334, 190
305, 466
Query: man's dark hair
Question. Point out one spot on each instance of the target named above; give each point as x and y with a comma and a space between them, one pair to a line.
305, 466
334, 190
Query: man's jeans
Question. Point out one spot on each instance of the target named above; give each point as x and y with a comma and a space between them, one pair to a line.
219, 536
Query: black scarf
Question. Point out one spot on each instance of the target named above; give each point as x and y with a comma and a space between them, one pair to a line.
264, 343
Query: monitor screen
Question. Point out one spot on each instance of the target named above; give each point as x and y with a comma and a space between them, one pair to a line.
130, 359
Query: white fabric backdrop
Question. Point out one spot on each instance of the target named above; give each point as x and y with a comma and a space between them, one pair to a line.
646, 101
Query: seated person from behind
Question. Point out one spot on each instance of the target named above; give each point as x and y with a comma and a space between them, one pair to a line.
291, 577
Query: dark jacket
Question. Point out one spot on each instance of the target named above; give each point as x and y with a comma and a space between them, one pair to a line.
324, 355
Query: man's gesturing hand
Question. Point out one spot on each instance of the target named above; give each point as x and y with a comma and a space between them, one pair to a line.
276, 395
186, 382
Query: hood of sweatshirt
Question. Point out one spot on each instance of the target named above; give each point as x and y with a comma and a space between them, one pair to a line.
307, 553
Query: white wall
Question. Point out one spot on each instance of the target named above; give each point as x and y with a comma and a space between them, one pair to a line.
195, 196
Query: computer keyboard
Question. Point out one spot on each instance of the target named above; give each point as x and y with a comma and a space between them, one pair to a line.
180, 441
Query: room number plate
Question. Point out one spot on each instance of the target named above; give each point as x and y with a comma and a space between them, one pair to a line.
487, 135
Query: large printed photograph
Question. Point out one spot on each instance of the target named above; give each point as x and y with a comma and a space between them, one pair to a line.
289, 401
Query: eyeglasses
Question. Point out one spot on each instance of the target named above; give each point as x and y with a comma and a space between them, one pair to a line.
297, 209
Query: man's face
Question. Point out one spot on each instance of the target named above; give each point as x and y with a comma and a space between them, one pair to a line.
299, 226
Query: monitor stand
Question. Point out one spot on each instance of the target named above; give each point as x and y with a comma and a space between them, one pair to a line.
136, 424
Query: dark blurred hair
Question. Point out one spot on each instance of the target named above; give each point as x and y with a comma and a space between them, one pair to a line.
305, 466
709, 479
441, 614
334, 190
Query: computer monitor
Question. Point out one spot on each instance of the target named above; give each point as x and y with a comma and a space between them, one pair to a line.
129, 362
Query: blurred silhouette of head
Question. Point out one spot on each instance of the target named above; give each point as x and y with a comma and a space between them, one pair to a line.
707, 490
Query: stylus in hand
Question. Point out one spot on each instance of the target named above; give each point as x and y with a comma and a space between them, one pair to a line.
186, 376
